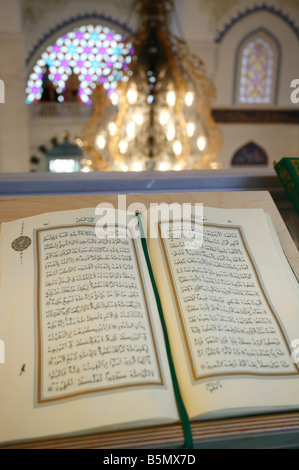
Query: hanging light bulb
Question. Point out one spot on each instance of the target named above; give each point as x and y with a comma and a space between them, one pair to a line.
132, 96
164, 117
124, 168
131, 130
137, 166
189, 98
138, 118
201, 143
123, 146
86, 165
163, 166
177, 147
114, 98
190, 128
112, 128
170, 134
177, 167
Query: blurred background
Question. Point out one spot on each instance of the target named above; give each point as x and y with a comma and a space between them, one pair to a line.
125, 85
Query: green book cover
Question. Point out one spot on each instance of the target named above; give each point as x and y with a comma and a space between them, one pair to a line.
287, 170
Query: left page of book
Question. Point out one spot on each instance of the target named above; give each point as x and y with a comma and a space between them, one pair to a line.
84, 348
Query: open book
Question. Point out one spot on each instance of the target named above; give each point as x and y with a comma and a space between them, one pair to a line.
83, 327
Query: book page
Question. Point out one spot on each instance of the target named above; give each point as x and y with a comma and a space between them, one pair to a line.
84, 345
223, 305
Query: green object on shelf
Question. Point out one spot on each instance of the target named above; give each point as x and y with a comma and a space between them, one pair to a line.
287, 170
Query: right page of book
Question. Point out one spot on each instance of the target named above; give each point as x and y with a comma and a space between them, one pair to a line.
231, 306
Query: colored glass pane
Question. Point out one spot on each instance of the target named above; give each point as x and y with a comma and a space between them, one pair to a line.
256, 72
89, 52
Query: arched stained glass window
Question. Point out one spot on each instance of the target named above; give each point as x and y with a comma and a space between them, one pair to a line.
91, 53
257, 66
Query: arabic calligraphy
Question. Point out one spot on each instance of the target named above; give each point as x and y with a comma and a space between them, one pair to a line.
229, 324
95, 331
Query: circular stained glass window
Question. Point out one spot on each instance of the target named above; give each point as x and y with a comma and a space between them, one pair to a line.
94, 53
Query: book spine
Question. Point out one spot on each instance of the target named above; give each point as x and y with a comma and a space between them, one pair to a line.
287, 170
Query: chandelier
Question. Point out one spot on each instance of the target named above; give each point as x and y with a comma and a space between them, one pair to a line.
159, 115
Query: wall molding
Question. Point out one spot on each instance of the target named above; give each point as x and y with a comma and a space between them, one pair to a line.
256, 116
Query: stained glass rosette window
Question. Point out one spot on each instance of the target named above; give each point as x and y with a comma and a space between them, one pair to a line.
94, 53
256, 72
